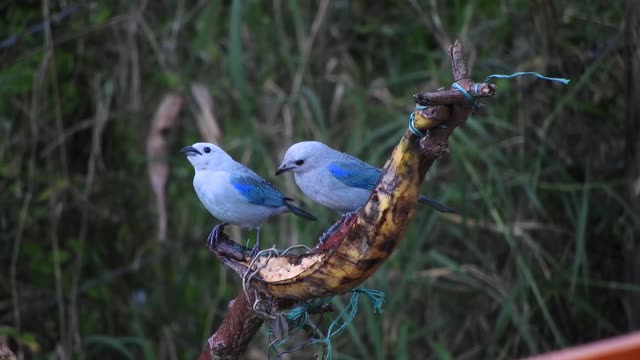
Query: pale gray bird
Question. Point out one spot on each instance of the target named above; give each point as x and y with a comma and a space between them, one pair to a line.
334, 179
234, 193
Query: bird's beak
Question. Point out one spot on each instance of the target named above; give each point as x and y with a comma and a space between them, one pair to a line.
190, 150
283, 168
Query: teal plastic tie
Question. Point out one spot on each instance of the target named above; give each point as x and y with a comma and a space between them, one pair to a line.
412, 126
464, 92
471, 99
523, 73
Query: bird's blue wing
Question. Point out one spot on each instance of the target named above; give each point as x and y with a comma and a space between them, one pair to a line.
257, 190
355, 173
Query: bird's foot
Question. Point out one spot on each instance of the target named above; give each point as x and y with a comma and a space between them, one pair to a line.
213, 235
255, 250
328, 233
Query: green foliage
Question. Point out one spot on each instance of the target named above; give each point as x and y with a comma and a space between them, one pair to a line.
533, 260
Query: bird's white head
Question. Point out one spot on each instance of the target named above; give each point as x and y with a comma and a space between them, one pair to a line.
304, 156
205, 156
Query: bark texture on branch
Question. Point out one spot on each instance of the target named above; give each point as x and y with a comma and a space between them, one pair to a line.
239, 326
461, 76
5, 351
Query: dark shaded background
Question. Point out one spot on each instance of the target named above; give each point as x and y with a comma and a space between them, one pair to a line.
542, 252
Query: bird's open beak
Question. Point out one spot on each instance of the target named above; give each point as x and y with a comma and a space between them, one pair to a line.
283, 169
190, 150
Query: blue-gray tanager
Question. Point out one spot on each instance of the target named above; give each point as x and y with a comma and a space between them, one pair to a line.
334, 179
234, 193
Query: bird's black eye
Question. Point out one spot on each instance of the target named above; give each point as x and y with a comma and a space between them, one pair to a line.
207, 149
299, 162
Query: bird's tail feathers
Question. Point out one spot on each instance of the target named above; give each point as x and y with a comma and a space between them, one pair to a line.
299, 212
435, 204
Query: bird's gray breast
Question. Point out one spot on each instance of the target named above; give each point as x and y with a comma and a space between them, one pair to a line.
223, 201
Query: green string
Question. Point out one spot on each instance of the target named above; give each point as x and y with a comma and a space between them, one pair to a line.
348, 313
300, 315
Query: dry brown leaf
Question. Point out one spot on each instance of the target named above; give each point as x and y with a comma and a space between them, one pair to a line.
165, 118
207, 123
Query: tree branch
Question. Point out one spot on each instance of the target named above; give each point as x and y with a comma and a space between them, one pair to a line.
461, 76
239, 326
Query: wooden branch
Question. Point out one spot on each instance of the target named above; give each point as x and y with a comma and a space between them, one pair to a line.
452, 97
238, 328
458, 62
461, 76
5, 351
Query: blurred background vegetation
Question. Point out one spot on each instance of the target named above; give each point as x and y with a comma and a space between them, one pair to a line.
542, 253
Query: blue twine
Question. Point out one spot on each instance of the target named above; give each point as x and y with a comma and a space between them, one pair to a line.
471, 99
464, 92
348, 313
300, 316
376, 297
412, 126
521, 73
